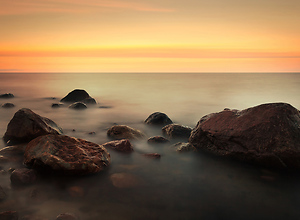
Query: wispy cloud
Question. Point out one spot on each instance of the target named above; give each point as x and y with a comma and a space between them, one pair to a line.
75, 6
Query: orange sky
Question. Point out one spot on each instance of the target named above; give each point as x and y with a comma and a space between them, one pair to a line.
150, 36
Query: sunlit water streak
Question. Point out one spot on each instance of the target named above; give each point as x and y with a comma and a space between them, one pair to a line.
178, 186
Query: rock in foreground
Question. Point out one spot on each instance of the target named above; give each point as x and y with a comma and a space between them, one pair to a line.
124, 132
27, 125
159, 119
267, 135
67, 155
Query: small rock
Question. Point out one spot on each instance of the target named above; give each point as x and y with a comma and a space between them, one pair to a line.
56, 105
158, 118
184, 147
66, 216
9, 215
78, 106
123, 145
152, 155
13, 150
7, 105
78, 95
23, 176
92, 133
174, 131
124, 132
6, 96
157, 140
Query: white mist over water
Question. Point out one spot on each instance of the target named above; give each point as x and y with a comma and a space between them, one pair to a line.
178, 186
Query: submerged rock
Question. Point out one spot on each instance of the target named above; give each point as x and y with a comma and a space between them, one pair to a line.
158, 118
6, 96
152, 155
267, 135
64, 154
66, 216
23, 176
157, 140
27, 125
79, 95
56, 105
119, 145
7, 105
124, 132
174, 131
78, 106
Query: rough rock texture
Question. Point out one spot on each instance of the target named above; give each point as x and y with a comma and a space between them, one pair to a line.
78, 106
267, 135
9, 215
157, 140
66, 155
124, 132
78, 95
23, 176
27, 125
184, 147
7, 105
174, 131
158, 118
6, 96
123, 145
56, 105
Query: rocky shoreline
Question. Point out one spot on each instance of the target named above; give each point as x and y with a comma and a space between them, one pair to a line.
267, 135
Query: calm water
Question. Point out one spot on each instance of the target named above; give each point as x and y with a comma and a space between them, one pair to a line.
178, 186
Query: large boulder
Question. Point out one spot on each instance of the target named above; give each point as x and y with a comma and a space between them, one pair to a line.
27, 125
174, 131
124, 132
78, 95
267, 135
158, 119
67, 155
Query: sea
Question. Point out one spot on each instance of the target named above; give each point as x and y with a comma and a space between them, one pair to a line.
186, 185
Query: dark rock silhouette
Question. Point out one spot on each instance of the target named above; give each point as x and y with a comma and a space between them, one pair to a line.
7, 105
56, 105
157, 140
123, 145
159, 119
267, 135
174, 131
78, 95
27, 125
78, 106
124, 132
67, 155
6, 96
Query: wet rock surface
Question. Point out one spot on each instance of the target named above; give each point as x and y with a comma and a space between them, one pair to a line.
159, 119
152, 155
78, 95
27, 125
267, 135
56, 105
157, 140
124, 132
175, 131
184, 147
67, 155
78, 106
123, 145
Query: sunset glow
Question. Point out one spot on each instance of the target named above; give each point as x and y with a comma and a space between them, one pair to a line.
149, 36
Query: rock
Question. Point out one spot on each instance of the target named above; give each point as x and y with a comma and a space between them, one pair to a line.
27, 125
267, 135
123, 145
152, 155
158, 118
13, 150
67, 155
6, 96
78, 106
33, 217
23, 176
56, 105
66, 216
125, 180
3, 195
7, 105
9, 215
174, 131
184, 147
124, 132
157, 140
78, 95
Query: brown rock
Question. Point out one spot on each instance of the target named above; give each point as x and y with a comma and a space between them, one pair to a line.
26, 125
23, 176
79, 95
184, 147
124, 132
123, 145
267, 135
66, 154
159, 119
157, 140
174, 131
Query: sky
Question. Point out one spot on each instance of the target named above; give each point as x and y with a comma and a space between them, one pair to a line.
150, 36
